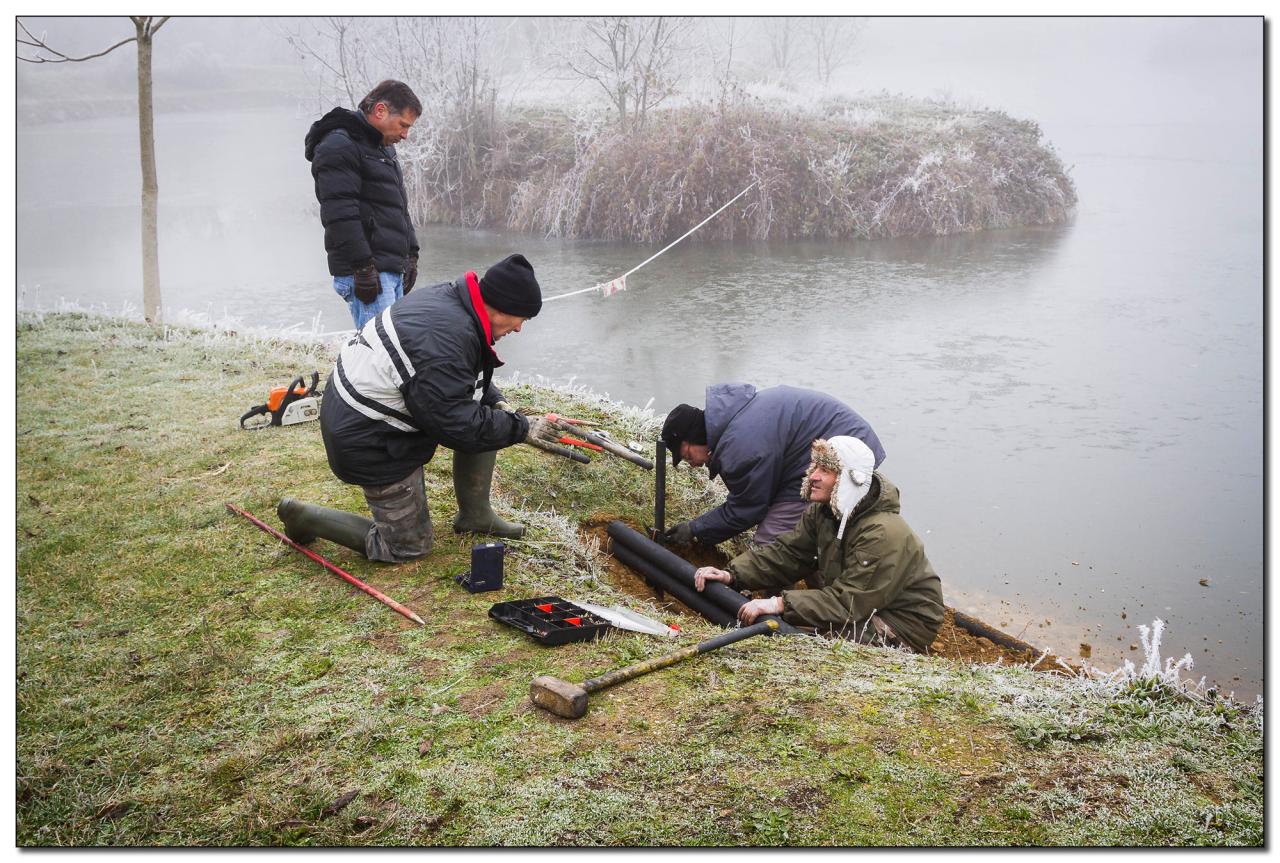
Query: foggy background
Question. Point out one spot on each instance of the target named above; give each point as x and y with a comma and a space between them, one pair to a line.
1074, 414
233, 103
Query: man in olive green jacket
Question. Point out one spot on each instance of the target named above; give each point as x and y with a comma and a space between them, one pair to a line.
877, 584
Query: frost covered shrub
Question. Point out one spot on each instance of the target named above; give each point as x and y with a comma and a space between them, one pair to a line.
1154, 679
883, 167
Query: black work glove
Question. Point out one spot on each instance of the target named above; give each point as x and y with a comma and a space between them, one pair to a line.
540, 429
410, 272
679, 534
368, 285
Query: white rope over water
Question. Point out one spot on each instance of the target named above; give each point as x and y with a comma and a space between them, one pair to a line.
610, 287
620, 283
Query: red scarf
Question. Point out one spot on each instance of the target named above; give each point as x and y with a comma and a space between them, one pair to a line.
473, 286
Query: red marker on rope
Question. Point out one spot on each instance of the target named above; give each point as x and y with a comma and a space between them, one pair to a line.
355, 582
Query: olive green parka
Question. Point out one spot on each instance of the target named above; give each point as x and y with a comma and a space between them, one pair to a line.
878, 566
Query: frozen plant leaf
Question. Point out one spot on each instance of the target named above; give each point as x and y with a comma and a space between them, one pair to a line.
341, 803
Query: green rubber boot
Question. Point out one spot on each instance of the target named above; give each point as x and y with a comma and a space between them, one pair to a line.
303, 522
472, 480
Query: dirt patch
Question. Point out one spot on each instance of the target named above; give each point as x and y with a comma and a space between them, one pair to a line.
979, 794
511, 656
952, 642
955, 642
478, 702
1088, 779
431, 669
388, 641
805, 799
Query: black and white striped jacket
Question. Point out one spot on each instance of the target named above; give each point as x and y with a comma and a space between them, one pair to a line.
406, 383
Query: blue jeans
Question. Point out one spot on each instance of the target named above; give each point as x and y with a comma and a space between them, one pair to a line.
361, 312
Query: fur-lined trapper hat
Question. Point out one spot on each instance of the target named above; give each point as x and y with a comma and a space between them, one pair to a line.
853, 462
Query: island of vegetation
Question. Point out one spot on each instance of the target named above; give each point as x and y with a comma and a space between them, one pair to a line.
634, 129
869, 168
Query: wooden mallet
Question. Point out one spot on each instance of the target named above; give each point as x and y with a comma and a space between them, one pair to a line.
570, 699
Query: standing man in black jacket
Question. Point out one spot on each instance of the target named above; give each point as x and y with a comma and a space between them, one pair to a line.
373, 252
405, 384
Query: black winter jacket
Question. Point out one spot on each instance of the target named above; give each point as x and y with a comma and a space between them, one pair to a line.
363, 205
405, 384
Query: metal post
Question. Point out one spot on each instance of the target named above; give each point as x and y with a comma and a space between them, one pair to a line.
660, 493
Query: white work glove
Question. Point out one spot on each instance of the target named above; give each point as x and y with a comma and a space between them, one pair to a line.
756, 607
703, 574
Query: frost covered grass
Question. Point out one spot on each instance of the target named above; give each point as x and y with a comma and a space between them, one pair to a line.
871, 168
183, 679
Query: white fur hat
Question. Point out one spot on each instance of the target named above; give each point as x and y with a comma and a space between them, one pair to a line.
854, 463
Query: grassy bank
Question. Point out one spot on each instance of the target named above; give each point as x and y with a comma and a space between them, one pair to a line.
871, 168
184, 679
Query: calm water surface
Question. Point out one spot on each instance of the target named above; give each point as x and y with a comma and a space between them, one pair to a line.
1074, 415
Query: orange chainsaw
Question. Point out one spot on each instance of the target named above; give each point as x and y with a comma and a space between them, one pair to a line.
286, 406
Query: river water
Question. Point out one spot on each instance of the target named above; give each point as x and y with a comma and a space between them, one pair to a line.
1074, 414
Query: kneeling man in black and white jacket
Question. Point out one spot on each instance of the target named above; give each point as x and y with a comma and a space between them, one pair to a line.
405, 384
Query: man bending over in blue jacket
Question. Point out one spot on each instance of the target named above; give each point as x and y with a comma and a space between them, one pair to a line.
758, 442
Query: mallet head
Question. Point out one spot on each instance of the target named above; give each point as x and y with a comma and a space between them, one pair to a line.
559, 696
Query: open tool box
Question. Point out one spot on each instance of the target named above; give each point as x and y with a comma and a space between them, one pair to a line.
550, 619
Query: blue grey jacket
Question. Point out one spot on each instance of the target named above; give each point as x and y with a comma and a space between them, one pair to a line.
760, 442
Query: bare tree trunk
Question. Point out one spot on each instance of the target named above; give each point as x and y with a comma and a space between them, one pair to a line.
146, 27
150, 187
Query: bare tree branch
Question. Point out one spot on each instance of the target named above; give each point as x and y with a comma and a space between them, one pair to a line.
631, 59
58, 57
145, 28
833, 41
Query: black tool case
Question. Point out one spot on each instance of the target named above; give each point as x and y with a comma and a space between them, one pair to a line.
550, 619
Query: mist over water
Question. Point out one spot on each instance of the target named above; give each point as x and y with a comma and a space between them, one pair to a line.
1074, 414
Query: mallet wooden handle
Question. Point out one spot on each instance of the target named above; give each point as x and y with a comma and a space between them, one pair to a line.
632, 671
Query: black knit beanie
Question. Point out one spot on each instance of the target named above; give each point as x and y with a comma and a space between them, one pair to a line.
509, 286
684, 423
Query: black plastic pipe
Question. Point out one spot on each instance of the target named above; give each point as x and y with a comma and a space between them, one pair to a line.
673, 565
681, 571
659, 580
976, 627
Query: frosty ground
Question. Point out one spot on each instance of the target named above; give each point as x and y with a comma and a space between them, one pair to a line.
184, 679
